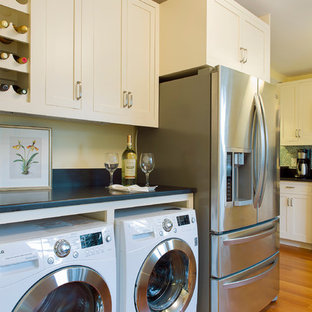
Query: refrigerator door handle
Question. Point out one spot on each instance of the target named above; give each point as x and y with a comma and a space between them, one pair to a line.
261, 158
250, 238
266, 141
251, 279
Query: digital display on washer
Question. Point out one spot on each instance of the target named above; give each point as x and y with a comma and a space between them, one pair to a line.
183, 220
90, 240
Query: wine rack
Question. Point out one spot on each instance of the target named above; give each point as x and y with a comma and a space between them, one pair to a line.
12, 42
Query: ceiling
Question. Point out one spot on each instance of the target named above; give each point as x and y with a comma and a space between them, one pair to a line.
291, 33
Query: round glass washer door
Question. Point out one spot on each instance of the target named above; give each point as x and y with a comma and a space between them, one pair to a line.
167, 278
70, 289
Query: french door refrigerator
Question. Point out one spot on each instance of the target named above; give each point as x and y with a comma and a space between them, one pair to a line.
219, 133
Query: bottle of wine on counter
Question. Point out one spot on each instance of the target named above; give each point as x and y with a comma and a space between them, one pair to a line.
129, 164
19, 90
4, 87
21, 29
4, 24
20, 59
4, 55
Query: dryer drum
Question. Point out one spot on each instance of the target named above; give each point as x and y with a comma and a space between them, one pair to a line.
70, 289
167, 278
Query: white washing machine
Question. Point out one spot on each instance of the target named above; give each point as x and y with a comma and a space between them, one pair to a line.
64, 264
157, 259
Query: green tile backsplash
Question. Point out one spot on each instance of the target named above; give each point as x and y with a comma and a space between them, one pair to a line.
289, 152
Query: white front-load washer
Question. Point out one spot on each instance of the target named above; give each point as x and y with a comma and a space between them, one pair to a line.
63, 264
157, 259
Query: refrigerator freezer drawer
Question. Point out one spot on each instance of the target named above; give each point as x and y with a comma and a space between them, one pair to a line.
236, 251
249, 290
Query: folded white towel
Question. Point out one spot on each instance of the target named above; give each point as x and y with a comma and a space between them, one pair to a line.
132, 188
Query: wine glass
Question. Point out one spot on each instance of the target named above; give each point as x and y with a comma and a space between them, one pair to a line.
147, 164
111, 161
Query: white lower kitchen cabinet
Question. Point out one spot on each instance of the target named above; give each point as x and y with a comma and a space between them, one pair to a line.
95, 60
296, 211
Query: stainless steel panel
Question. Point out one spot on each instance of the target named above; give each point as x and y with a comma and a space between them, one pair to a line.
232, 112
270, 203
248, 291
236, 251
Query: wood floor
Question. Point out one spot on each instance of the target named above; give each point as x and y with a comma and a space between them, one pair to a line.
295, 281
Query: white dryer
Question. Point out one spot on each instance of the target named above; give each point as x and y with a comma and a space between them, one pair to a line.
63, 264
157, 259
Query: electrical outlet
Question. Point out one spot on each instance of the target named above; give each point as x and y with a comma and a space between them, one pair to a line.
293, 162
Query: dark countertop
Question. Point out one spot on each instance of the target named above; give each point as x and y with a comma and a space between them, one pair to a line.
11, 201
294, 179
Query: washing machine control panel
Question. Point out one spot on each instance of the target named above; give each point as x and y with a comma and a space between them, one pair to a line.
167, 225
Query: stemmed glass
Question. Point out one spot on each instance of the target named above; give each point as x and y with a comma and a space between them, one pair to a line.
111, 161
147, 164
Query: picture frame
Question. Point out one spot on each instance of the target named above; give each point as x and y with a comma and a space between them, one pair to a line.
25, 157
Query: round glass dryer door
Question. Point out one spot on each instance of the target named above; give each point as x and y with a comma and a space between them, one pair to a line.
71, 289
167, 278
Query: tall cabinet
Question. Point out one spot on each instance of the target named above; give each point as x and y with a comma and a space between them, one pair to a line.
96, 60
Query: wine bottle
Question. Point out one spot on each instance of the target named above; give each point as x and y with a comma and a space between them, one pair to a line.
21, 29
19, 59
5, 40
129, 164
19, 90
4, 24
4, 55
4, 87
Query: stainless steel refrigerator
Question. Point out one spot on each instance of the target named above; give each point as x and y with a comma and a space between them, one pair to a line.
219, 133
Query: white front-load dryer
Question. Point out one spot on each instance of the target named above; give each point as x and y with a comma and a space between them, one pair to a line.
157, 260
63, 264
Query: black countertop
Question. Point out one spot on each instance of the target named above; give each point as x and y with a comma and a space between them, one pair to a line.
294, 179
11, 201
289, 174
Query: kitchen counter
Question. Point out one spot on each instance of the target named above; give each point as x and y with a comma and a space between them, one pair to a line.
11, 201
296, 179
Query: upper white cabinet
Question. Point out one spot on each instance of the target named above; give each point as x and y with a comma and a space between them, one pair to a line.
96, 60
296, 109
213, 32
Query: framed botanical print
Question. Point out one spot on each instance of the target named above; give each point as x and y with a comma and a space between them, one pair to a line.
25, 157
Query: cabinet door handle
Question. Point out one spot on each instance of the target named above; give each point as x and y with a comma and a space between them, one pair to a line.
288, 202
130, 100
291, 202
290, 187
296, 133
78, 90
299, 133
242, 52
125, 99
246, 56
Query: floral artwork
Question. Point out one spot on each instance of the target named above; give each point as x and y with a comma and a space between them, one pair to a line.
26, 155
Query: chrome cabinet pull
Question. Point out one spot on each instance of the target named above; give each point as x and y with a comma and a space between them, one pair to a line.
291, 202
242, 55
130, 100
246, 56
125, 99
288, 202
296, 133
299, 133
78, 90
290, 187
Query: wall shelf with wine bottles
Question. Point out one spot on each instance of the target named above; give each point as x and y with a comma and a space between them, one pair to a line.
21, 6
14, 52
15, 63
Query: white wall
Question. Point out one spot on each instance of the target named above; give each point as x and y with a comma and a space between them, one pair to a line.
77, 144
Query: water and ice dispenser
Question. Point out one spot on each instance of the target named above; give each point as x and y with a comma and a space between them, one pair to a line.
239, 182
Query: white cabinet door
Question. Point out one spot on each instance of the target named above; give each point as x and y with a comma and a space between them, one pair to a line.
304, 108
140, 65
102, 81
255, 45
283, 216
289, 132
56, 57
223, 35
